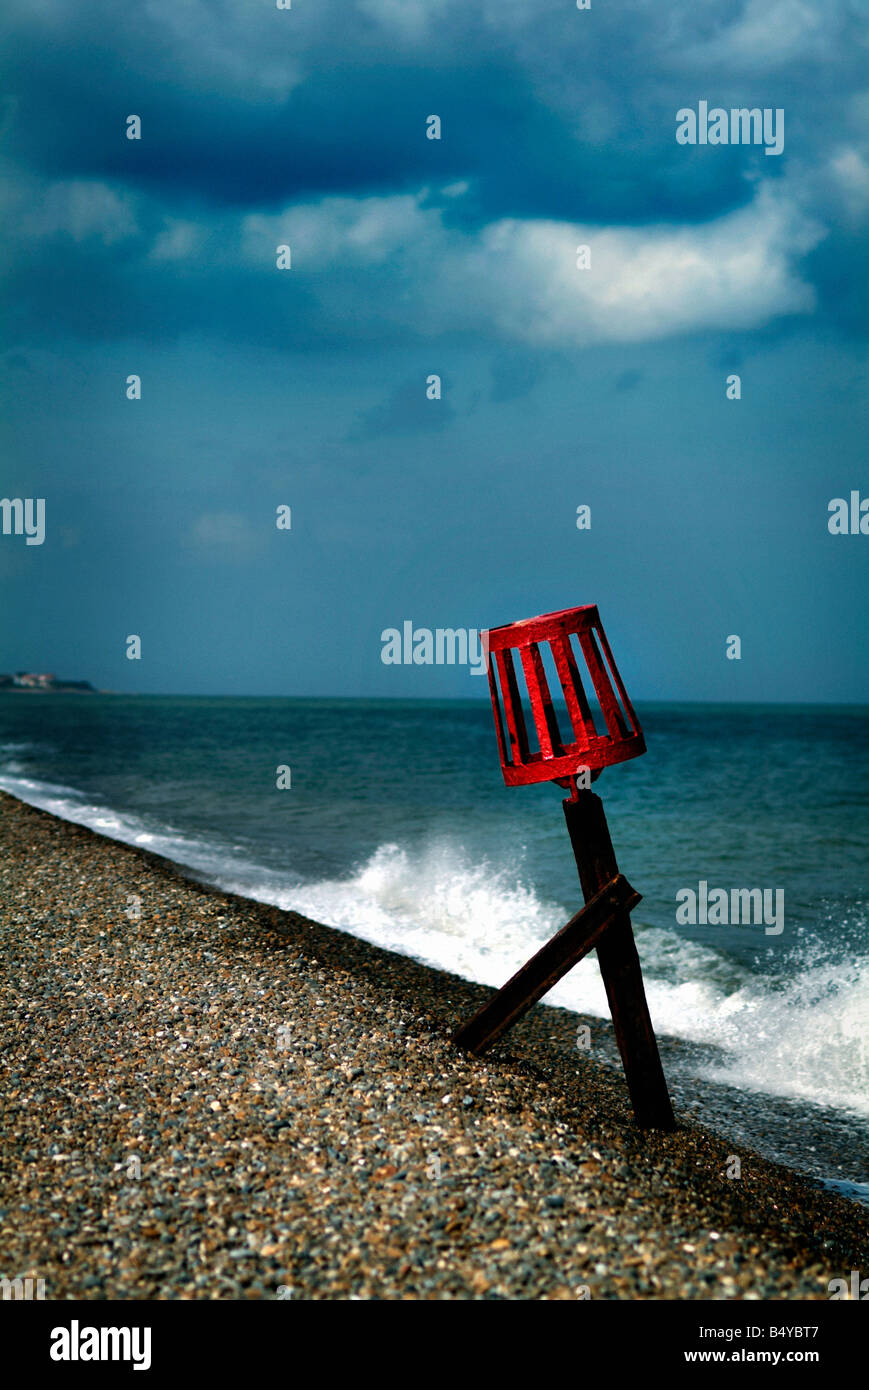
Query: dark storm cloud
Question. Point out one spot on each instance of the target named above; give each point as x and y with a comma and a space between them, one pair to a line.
406, 411
549, 115
343, 110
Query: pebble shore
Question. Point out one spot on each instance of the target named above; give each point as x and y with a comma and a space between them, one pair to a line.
206, 1098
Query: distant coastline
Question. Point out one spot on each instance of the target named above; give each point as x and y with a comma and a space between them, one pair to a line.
33, 681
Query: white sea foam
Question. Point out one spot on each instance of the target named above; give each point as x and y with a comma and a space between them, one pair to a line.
803, 1038
130, 829
806, 1039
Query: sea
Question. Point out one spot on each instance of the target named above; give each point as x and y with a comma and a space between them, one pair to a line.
394, 824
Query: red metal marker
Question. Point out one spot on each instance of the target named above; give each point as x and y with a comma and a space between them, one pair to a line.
538, 742
569, 639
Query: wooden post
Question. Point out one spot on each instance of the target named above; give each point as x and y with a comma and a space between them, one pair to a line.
610, 903
620, 967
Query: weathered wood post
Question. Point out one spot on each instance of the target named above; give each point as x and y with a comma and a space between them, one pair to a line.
620, 967
604, 923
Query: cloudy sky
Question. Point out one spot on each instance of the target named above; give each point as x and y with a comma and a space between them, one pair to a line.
410, 256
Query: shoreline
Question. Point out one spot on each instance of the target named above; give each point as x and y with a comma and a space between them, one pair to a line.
298, 1119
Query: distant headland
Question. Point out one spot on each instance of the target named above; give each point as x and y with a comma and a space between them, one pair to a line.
32, 680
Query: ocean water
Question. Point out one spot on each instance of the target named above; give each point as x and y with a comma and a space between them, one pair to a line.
399, 829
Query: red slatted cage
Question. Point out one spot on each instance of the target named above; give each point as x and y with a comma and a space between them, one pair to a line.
553, 651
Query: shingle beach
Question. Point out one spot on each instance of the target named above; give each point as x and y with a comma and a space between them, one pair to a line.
214, 1099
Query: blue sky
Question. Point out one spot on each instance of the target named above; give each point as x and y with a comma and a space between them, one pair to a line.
412, 256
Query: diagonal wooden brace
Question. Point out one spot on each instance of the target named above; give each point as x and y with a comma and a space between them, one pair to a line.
580, 935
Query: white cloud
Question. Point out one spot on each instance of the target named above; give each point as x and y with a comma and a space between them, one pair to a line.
227, 535
246, 46
520, 277
514, 278
336, 230
851, 173
83, 209
768, 34
177, 240
644, 283
411, 19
